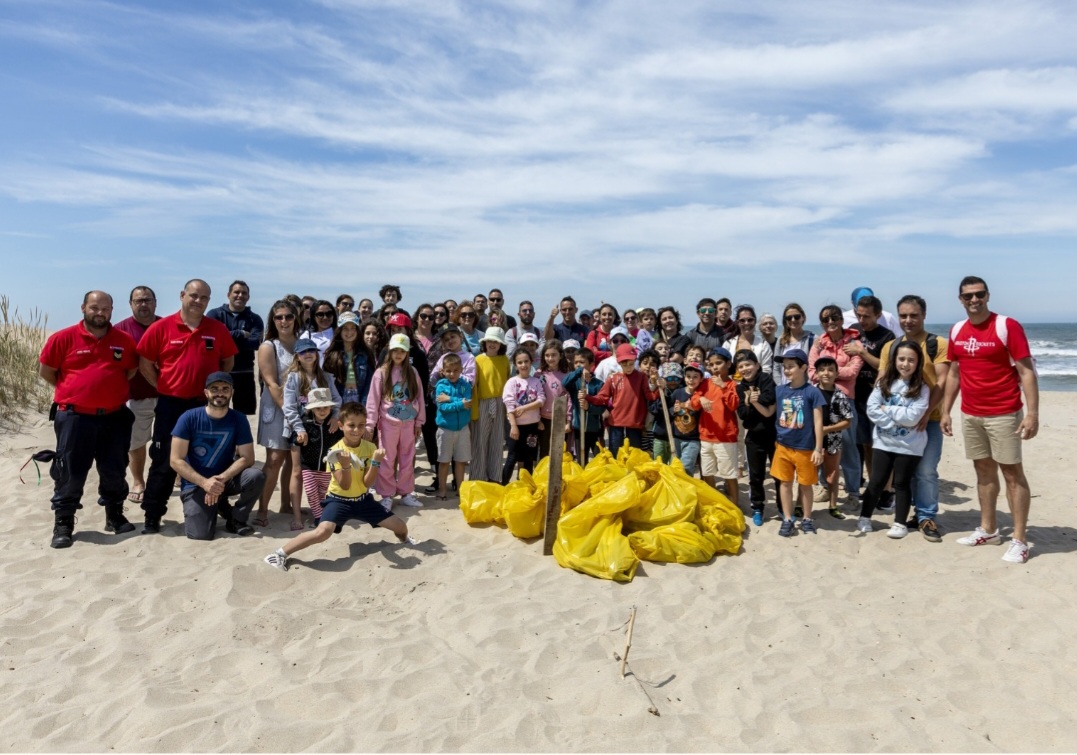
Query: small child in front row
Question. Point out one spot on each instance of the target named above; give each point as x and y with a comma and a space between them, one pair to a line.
353, 464
452, 395
717, 398
523, 397
312, 452
837, 417
584, 377
627, 393
799, 449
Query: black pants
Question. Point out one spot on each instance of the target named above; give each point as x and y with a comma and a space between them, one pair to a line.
200, 520
524, 450
759, 451
903, 467
546, 437
83, 440
618, 435
161, 478
430, 435
244, 399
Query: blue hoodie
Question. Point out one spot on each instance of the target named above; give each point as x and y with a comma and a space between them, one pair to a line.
452, 415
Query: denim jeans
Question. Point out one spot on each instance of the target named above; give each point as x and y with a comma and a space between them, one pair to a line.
851, 468
925, 483
618, 435
688, 452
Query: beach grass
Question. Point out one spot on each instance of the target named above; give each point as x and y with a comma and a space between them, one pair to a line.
21, 341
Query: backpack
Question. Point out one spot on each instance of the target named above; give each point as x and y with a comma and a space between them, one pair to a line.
1002, 330
932, 344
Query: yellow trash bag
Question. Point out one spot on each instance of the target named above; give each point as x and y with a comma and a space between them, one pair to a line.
716, 516
480, 502
681, 543
524, 507
668, 501
589, 537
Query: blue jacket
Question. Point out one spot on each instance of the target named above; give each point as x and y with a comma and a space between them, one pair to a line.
452, 415
594, 413
237, 322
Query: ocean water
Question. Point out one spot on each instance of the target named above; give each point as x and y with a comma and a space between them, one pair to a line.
1054, 348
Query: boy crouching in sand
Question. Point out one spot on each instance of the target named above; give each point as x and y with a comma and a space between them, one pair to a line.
354, 463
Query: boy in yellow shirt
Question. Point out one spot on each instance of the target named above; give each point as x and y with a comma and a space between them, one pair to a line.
353, 463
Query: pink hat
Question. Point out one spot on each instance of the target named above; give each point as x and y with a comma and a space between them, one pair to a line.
625, 353
399, 320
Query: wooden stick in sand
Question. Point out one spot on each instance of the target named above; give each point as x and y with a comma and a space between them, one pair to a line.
553, 487
652, 708
665, 413
628, 641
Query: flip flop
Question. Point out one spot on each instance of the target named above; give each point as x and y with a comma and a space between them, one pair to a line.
261, 521
135, 496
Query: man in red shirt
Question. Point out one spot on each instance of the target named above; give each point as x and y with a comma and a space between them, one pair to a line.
143, 397
89, 364
990, 364
177, 353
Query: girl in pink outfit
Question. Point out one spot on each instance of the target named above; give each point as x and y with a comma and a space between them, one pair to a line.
523, 396
552, 368
396, 407
832, 344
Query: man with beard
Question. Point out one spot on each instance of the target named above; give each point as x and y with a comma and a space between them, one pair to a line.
246, 328
708, 334
527, 320
723, 318
213, 453
90, 364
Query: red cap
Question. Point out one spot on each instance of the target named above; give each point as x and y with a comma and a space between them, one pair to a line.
399, 320
625, 352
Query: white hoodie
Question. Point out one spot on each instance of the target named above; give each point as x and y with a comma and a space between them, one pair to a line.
896, 419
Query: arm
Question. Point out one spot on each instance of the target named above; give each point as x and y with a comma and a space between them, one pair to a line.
603, 396
851, 368
373, 402
149, 370
815, 352
1030, 425
227, 364
730, 397
817, 421
547, 332
48, 374
293, 420
949, 396
468, 372
267, 368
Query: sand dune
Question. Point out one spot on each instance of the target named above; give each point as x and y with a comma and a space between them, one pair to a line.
477, 642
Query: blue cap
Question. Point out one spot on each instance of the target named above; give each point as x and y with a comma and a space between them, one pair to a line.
723, 353
797, 354
219, 377
861, 291
305, 344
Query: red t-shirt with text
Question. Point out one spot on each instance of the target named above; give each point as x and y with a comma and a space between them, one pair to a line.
990, 385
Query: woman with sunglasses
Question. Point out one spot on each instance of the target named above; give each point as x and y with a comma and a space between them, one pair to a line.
466, 318
274, 358
747, 338
424, 327
793, 337
323, 325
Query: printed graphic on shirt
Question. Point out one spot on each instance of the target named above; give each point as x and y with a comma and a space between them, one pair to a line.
525, 394
792, 414
685, 420
896, 399
401, 408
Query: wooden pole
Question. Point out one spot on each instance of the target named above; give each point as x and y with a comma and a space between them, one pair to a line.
665, 413
553, 488
628, 641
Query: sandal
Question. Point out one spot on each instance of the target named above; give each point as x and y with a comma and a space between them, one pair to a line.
135, 496
261, 521
836, 512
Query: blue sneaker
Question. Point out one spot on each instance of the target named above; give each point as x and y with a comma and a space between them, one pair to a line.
757, 518
788, 528
807, 526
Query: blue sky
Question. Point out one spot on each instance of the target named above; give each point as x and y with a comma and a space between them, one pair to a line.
636, 152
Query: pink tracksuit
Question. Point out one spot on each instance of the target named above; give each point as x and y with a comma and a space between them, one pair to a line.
396, 415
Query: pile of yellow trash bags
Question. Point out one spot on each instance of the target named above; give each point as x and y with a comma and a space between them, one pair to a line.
614, 512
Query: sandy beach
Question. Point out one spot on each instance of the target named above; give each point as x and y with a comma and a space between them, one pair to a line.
476, 642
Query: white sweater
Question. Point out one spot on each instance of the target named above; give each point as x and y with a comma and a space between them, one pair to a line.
896, 419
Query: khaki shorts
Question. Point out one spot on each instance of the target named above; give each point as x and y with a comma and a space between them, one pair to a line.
993, 437
142, 430
454, 445
793, 462
718, 460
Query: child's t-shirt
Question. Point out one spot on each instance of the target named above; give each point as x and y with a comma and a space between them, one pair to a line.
520, 391
685, 419
796, 415
837, 410
361, 458
719, 425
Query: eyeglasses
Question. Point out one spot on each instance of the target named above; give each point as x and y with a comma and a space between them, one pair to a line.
497, 299
794, 318
426, 316
323, 314
832, 318
143, 301
974, 295
747, 321
467, 315
706, 310
284, 317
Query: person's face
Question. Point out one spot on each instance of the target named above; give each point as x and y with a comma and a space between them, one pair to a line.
832, 320
308, 359
694, 354
143, 304
450, 307
349, 334
692, 379
662, 348
354, 425
346, 305
219, 395
826, 374
496, 300
746, 323
425, 318
605, 318
768, 326
794, 319
867, 318
527, 314
366, 308
238, 296
397, 329
618, 340
907, 364
523, 364
284, 320
717, 366
748, 369
568, 312
531, 348
391, 297
398, 356
494, 319
723, 312
706, 315
323, 317
630, 319
451, 341
451, 372
587, 321
646, 321
669, 322
491, 347
97, 311
793, 370
552, 359
628, 366
441, 316
974, 298
195, 298
467, 317
370, 337
911, 319
307, 304
570, 355
580, 363
647, 363
322, 412
480, 303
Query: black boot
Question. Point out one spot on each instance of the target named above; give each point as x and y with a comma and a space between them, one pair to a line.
152, 525
115, 521
63, 533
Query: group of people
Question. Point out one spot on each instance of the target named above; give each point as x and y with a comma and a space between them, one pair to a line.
345, 394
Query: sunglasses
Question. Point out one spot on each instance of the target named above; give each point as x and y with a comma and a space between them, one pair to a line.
425, 316
284, 318
748, 321
974, 295
441, 313
832, 318
706, 310
323, 314
347, 304
496, 299
468, 315
794, 318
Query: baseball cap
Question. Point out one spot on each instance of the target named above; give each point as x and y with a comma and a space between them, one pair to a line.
797, 354
346, 318
625, 353
527, 338
721, 352
400, 341
398, 320
219, 377
571, 343
305, 344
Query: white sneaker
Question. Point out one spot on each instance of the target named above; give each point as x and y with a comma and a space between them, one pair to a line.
1017, 553
897, 531
980, 536
411, 500
386, 503
278, 559
409, 540
863, 524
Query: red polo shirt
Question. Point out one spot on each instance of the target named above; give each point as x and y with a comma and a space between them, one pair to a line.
92, 372
186, 357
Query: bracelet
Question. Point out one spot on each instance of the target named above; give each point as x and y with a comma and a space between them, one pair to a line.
375, 464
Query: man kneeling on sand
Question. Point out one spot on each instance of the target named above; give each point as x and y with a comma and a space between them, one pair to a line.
353, 463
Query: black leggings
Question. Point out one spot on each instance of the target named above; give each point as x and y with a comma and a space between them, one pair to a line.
524, 450
903, 467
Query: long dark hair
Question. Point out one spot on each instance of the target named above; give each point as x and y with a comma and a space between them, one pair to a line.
787, 334
313, 326
335, 361
383, 336
562, 363
271, 332
659, 333
411, 378
890, 374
